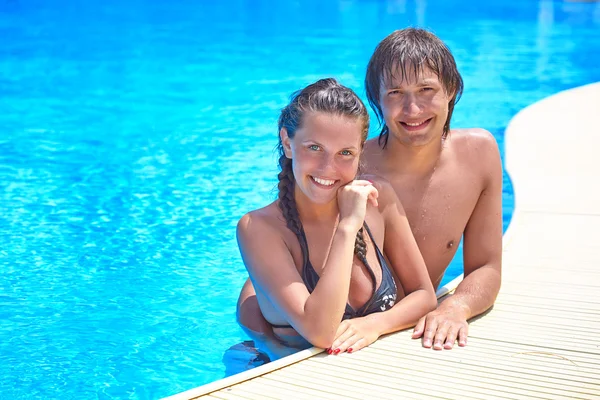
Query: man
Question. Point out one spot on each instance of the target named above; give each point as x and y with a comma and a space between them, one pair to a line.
449, 182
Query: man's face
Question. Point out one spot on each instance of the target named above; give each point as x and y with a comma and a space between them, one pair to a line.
415, 108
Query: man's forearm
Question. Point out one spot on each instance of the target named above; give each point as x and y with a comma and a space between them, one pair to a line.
476, 293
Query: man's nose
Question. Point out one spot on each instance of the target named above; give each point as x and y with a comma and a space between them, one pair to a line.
411, 105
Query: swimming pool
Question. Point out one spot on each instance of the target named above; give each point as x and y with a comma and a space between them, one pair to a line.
133, 135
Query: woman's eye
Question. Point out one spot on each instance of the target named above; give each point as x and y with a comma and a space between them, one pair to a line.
313, 147
346, 152
426, 89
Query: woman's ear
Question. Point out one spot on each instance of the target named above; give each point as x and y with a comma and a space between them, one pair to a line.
285, 141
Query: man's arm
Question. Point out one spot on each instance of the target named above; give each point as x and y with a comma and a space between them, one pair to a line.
254, 324
482, 258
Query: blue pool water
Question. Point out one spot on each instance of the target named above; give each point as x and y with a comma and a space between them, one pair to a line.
133, 135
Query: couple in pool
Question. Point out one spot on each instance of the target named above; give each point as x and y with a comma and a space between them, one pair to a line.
362, 231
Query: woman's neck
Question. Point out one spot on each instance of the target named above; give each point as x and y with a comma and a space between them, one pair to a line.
311, 212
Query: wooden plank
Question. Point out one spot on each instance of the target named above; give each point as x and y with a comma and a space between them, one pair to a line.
247, 391
507, 321
520, 360
486, 369
549, 288
376, 386
585, 302
393, 376
223, 395
533, 310
552, 305
298, 385
333, 385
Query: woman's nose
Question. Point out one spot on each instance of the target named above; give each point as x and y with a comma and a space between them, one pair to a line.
327, 163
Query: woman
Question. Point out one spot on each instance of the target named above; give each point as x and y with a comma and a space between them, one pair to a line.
314, 255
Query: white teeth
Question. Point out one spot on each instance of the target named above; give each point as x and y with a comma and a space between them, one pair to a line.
417, 124
325, 182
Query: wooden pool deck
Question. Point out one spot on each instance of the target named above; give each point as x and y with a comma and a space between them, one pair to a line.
542, 337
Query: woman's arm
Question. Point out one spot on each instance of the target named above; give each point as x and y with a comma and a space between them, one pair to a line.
401, 249
269, 262
407, 262
267, 258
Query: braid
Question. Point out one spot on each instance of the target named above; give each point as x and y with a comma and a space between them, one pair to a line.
327, 96
287, 204
360, 247
360, 250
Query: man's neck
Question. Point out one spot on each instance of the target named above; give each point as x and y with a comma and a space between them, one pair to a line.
417, 161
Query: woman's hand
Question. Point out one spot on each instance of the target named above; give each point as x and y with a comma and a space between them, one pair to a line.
353, 334
352, 201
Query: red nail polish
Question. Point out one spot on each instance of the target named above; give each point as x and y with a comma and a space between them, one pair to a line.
329, 351
336, 351
350, 350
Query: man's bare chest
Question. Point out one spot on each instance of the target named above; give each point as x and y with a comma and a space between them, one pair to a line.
438, 210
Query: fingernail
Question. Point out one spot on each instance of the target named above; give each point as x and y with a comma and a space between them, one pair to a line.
329, 351
427, 343
349, 349
336, 351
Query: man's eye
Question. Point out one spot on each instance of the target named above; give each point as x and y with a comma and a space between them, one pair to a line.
426, 89
393, 92
313, 147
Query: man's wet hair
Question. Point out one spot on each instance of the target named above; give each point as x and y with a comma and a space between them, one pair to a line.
414, 49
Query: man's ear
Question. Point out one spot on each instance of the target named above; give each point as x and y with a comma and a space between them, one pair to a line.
285, 141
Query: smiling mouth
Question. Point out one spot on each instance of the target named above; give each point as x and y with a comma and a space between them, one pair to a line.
415, 126
327, 183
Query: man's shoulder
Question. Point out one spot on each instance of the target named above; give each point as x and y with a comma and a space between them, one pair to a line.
381, 183
470, 136
473, 145
372, 145
476, 150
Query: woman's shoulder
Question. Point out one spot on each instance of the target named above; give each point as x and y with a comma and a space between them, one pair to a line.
260, 221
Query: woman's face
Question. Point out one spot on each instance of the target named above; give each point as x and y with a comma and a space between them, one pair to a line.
325, 154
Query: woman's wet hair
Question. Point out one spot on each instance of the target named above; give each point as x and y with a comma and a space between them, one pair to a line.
414, 49
324, 96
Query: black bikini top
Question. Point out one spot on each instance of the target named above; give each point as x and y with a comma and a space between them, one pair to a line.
383, 298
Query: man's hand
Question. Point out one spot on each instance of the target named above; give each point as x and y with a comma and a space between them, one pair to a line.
443, 326
353, 335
